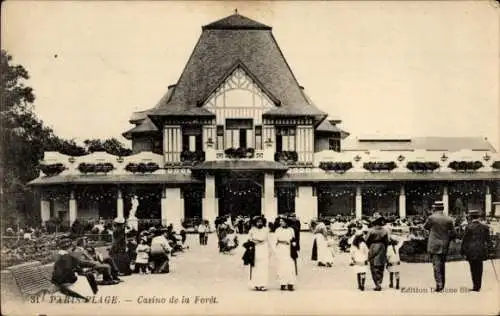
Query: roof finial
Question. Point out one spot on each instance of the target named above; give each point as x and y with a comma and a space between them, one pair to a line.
235, 11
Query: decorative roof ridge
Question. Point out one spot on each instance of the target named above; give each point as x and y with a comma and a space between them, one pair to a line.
236, 22
239, 64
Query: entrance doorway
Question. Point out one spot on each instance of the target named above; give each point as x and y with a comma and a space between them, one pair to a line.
239, 195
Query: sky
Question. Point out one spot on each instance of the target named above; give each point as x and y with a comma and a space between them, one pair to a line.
411, 68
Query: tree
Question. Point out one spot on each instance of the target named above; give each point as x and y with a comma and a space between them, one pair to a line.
112, 146
23, 137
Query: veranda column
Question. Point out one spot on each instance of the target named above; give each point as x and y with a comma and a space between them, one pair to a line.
72, 207
269, 202
175, 206
402, 202
359, 202
44, 210
487, 201
306, 204
119, 205
164, 206
446, 201
210, 203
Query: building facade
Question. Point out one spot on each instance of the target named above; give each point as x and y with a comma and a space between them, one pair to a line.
238, 135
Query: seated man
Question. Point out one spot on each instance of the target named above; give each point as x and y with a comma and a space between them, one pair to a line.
115, 272
104, 268
64, 277
160, 249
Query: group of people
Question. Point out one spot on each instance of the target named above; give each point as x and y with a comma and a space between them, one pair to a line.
371, 244
74, 260
149, 251
375, 247
476, 244
285, 246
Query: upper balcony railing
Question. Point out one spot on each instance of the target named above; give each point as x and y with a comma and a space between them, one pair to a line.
239, 154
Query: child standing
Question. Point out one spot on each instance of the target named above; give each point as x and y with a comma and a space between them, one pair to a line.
393, 261
142, 258
359, 259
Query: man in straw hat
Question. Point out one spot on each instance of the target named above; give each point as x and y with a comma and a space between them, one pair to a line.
441, 232
475, 247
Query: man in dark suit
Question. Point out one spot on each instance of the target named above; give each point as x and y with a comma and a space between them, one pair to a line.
441, 232
475, 246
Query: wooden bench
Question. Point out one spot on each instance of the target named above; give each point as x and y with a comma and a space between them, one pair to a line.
31, 279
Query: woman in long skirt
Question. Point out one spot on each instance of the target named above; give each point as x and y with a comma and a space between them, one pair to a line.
284, 236
259, 273
377, 242
321, 252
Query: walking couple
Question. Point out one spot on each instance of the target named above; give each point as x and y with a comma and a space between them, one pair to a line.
257, 254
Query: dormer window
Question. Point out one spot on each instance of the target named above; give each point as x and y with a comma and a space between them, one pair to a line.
191, 139
334, 144
285, 138
258, 137
220, 137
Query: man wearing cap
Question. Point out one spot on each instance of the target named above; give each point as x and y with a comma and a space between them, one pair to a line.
475, 246
441, 232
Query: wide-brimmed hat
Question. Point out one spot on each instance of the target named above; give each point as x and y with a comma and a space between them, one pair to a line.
474, 213
377, 218
259, 217
119, 220
64, 242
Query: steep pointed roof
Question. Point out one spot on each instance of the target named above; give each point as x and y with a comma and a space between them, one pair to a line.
326, 126
236, 21
223, 44
146, 126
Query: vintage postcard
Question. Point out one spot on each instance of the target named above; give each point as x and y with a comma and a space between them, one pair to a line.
250, 158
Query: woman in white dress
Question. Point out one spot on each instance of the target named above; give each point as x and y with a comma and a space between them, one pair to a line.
359, 259
285, 237
323, 253
259, 234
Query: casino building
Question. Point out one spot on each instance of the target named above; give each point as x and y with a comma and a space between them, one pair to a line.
237, 134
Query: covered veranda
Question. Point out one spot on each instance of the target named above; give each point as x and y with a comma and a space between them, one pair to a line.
160, 196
